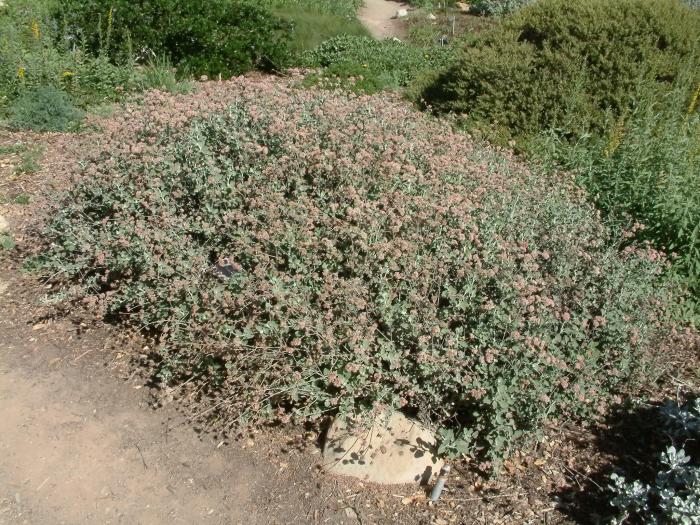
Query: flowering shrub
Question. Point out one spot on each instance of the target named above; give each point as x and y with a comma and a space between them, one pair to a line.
34, 53
306, 253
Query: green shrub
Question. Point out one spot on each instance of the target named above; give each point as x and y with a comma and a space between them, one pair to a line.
34, 52
565, 64
375, 65
44, 109
318, 253
225, 38
497, 7
647, 166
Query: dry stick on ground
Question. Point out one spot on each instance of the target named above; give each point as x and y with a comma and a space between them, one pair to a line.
145, 467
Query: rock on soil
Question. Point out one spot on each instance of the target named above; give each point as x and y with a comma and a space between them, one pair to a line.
4, 225
394, 450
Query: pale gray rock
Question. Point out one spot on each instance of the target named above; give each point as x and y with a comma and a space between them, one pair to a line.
393, 450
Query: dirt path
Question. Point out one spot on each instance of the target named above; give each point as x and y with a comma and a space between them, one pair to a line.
376, 16
75, 448
81, 444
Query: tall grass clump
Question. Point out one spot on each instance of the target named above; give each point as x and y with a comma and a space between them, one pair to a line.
367, 65
647, 167
344, 8
311, 28
303, 253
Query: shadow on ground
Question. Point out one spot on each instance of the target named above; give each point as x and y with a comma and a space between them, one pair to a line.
629, 443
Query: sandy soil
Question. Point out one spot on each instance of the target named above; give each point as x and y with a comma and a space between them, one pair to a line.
376, 16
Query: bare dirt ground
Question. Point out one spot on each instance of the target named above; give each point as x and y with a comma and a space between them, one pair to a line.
376, 16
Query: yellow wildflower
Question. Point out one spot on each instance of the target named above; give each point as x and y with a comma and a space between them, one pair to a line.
21, 72
67, 74
35, 30
694, 100
615, 138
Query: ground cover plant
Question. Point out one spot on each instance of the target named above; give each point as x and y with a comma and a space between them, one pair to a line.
671, 494
297, 254
363, 64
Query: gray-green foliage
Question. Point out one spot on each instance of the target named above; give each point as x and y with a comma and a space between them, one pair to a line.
45, 108
674, 496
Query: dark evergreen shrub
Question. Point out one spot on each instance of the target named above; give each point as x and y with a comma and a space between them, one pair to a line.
227, 37
565, 64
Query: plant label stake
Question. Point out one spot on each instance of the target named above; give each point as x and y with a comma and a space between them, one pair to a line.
440, 483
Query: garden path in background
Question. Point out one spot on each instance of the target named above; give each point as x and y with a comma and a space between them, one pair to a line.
376, 16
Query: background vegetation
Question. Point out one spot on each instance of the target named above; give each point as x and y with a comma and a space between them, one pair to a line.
97, 51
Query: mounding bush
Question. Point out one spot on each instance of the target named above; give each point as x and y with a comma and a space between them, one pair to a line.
209, 37
44, 109
308, 253
567, 64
